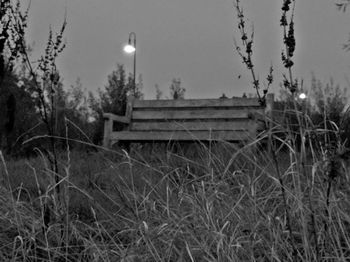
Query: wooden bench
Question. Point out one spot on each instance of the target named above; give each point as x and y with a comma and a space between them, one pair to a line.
231, 119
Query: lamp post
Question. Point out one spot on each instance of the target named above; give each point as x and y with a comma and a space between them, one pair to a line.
130, 48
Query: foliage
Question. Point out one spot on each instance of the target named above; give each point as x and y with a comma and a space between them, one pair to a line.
342, 5
113, 98
12, 25
216, 203
159, 93
330, 101
137, 93
18, 114
176, 90
72, 111
247, 54
331, 111
49, 102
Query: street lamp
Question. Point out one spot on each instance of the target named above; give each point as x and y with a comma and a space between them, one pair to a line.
130, 48
302, 96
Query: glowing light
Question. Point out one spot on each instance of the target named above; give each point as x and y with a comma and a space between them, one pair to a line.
302, 96
91, 119
20, 83
129, 49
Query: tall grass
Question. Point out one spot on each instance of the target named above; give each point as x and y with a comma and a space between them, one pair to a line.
283, 197
212, 203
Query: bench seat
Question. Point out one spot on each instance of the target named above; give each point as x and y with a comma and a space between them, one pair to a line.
202, 135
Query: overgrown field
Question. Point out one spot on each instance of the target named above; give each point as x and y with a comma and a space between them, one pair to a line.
197, 203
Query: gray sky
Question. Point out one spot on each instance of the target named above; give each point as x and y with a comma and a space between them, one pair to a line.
190, 39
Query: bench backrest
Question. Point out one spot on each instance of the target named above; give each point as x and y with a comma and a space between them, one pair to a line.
194, 114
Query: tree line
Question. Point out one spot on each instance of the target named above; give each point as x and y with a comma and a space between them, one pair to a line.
75, 107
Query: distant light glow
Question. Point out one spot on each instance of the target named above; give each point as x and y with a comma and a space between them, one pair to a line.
302, 96
129, 49
20, 83
91, 119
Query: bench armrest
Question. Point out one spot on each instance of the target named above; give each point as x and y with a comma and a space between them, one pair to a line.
108, 126
113, 117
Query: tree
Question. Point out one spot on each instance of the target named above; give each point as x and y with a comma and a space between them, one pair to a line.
18, 113
13, 22
159, 93
330, 113
330, 101
176, 91
113, 98
15, 119
138, 90
325, 106
78, 101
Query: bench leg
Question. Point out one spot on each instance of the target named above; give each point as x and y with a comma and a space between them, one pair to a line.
108, 129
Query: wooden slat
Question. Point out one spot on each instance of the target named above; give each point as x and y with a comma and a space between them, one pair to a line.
180, 136
193, 114
231, 102
122, 119
194, 125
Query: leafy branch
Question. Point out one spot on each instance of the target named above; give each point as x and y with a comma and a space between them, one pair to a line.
45, 78
12, 25
289, 43
343, 5
247, 53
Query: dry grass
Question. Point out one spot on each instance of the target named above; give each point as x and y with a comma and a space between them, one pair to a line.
203, 203
216, 203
